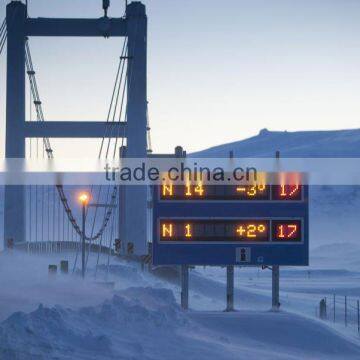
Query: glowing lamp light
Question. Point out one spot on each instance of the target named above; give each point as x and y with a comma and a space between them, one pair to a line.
84, 198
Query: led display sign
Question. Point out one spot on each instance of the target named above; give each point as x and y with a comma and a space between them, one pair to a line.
258, 224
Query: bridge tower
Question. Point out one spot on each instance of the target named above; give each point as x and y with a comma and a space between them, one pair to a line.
14, 210
133, 26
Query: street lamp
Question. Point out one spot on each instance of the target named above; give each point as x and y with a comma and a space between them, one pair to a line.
84, 200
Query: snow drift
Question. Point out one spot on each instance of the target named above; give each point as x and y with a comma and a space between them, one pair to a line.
146, 323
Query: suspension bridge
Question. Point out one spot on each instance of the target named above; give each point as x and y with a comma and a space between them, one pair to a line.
42, 218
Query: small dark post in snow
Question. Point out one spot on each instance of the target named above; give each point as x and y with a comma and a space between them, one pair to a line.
230, 288
345, 310
322, 307
52, 270
275, 287
64, 266
184, 287
358, 316
276, 270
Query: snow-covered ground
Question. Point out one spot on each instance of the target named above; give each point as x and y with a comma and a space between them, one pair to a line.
64, 317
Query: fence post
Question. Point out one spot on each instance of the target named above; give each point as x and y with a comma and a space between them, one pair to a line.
322, 308
334, 308
358, 316
345, 310
326, 306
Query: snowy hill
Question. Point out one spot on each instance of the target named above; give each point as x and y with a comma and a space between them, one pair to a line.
339, 143
334, 214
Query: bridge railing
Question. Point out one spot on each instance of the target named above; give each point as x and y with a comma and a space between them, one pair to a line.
47, 247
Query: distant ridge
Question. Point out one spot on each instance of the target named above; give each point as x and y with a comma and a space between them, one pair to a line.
335, 143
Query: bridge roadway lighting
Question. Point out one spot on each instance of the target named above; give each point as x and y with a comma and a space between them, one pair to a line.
84, 201
84, 198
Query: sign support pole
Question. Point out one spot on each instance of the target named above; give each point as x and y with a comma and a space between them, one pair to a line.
276, 269
185, 287
230, 288
275, 288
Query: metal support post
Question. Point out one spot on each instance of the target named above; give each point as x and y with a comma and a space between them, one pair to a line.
275, 288
230, 288
276, 268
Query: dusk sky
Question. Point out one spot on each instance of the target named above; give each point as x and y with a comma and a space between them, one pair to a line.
219, 71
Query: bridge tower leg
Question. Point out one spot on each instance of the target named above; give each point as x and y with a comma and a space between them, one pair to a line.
14, 219
134, 207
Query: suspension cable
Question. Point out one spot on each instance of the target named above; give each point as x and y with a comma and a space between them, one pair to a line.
111, 116
46, 142
116, 104
110, 244
112, 97
130, 75
49, 151
117, 86
3, 35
